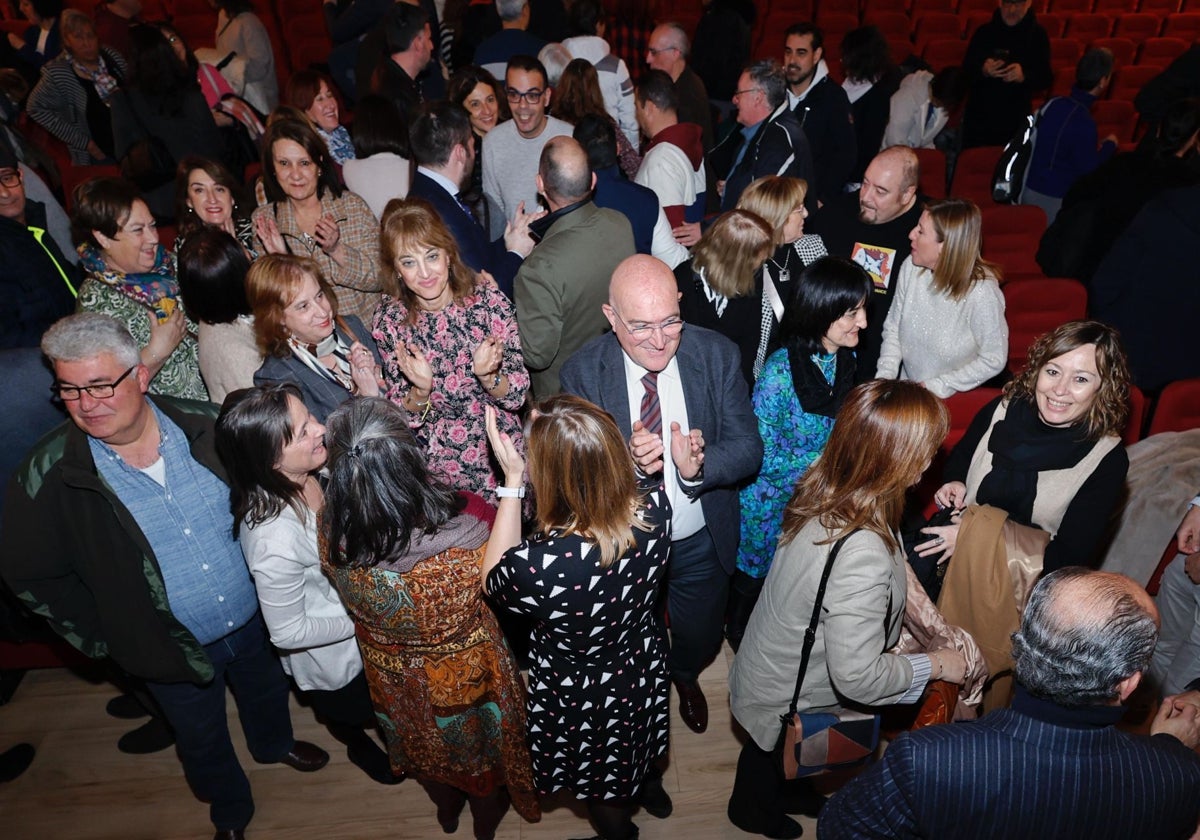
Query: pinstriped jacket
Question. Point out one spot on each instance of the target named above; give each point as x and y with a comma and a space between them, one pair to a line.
58, 103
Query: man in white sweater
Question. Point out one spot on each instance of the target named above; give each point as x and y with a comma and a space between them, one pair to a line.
513, 148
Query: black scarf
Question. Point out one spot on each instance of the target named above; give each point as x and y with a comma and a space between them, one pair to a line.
1023, 446
815, 394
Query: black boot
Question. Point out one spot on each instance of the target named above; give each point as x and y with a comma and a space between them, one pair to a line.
743, 595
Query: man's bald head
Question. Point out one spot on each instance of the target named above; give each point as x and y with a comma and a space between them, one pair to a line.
563, 173
889, 186
643, 310
1086, 637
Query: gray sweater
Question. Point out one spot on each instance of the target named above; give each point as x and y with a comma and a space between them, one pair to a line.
510, 165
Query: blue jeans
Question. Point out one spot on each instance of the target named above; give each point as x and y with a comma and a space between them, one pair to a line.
246, 661
697, 589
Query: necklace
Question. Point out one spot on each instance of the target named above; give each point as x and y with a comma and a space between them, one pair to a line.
784, 274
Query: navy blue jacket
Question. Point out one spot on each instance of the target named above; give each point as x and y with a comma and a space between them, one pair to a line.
473, 246
637, 203
1066, 145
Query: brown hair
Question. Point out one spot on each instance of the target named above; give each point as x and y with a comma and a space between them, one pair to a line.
189, 222
958, 225
886, 434
1110, 409
303, 87
304, 134
406, 223
271, 286
582, 475
578, 93
732, 250
773, 198
102, 204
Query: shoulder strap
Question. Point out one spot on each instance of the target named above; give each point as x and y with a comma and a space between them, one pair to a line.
810, 635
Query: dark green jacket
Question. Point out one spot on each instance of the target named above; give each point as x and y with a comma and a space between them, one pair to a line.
72, 552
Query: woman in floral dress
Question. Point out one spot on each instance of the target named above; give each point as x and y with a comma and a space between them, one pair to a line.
449, 343
800, 389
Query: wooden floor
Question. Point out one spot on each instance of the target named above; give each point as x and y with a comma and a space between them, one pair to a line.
81, 787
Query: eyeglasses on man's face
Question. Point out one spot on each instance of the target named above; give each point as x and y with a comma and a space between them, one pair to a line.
10, 178
659, 50
99, 391
641, 331
530, 96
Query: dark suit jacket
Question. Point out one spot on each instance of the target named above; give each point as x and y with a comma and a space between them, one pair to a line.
1012, 776
321, 394
778, 147
636, 203
718, 403
473, 245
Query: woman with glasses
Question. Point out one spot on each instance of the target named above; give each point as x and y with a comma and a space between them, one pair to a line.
589, 577
131, 277
302, 337
309, 214
450, 346
721, 287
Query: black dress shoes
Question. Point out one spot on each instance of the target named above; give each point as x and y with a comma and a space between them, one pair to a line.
151, 737
693, 708
305, 757
15, 761
230, 834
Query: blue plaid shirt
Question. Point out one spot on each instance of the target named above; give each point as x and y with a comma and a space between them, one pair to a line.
187, 524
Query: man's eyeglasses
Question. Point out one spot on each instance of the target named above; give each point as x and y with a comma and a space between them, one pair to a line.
642, 331
738, 93
530, 96
11, 178
100, 391
654, 51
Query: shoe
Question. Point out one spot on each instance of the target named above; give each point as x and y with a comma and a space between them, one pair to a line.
800, 797
230, 834
15, 761
374, 763
693, 708
126, 707
784, 828
655, 801
305, 757
152, 736
448, 818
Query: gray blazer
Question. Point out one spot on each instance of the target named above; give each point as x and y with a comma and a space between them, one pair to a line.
321, 394
718, 403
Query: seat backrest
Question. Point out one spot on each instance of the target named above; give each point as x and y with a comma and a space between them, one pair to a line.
944, 52
1032, 308
1159, 52
1086, 28
1055, 23
1178, 408
933, 172
1115, 116
1137, 26
1123, 49
1127, 81
963, 408
1137, 416
973, 174
1185, 26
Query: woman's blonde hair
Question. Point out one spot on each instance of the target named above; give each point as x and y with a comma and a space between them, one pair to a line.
773, 198
406, 224
958, 225
886, 434
271, 285
582, 475
732, 250
1110, 408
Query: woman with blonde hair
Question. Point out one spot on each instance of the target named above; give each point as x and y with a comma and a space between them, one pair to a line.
721, 287
404, 551
449, 341
779, 200
589, 578
850, 501
303, 339
946, 327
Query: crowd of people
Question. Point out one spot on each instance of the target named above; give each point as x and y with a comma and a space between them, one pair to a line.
552, 340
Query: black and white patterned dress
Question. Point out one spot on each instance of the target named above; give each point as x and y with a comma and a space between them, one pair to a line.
598, 682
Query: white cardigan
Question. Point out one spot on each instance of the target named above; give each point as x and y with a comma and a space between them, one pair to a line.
303, 612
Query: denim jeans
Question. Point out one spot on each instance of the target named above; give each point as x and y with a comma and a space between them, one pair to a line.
243, 659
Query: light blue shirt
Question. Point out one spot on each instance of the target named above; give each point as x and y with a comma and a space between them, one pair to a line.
189, 527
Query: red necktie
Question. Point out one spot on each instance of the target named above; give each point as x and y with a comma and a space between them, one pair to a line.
651, 410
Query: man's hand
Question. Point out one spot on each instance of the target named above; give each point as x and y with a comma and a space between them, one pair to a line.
516, 232
1179, 716
646, 449
1188, 534
687, 451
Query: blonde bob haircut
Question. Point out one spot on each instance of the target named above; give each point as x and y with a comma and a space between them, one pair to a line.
1110, 408
958, 225
409, 226
582, 475
272, 283
732, 250
773, 198
885, 435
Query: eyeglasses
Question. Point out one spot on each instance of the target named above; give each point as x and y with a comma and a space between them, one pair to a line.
11, 179
738, 93
100, 391
529, 96
642, 332
654, 51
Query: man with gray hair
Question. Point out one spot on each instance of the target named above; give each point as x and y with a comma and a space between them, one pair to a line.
512, 39
563, 283
668, 50
117, 530
770, 142
1055, 764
